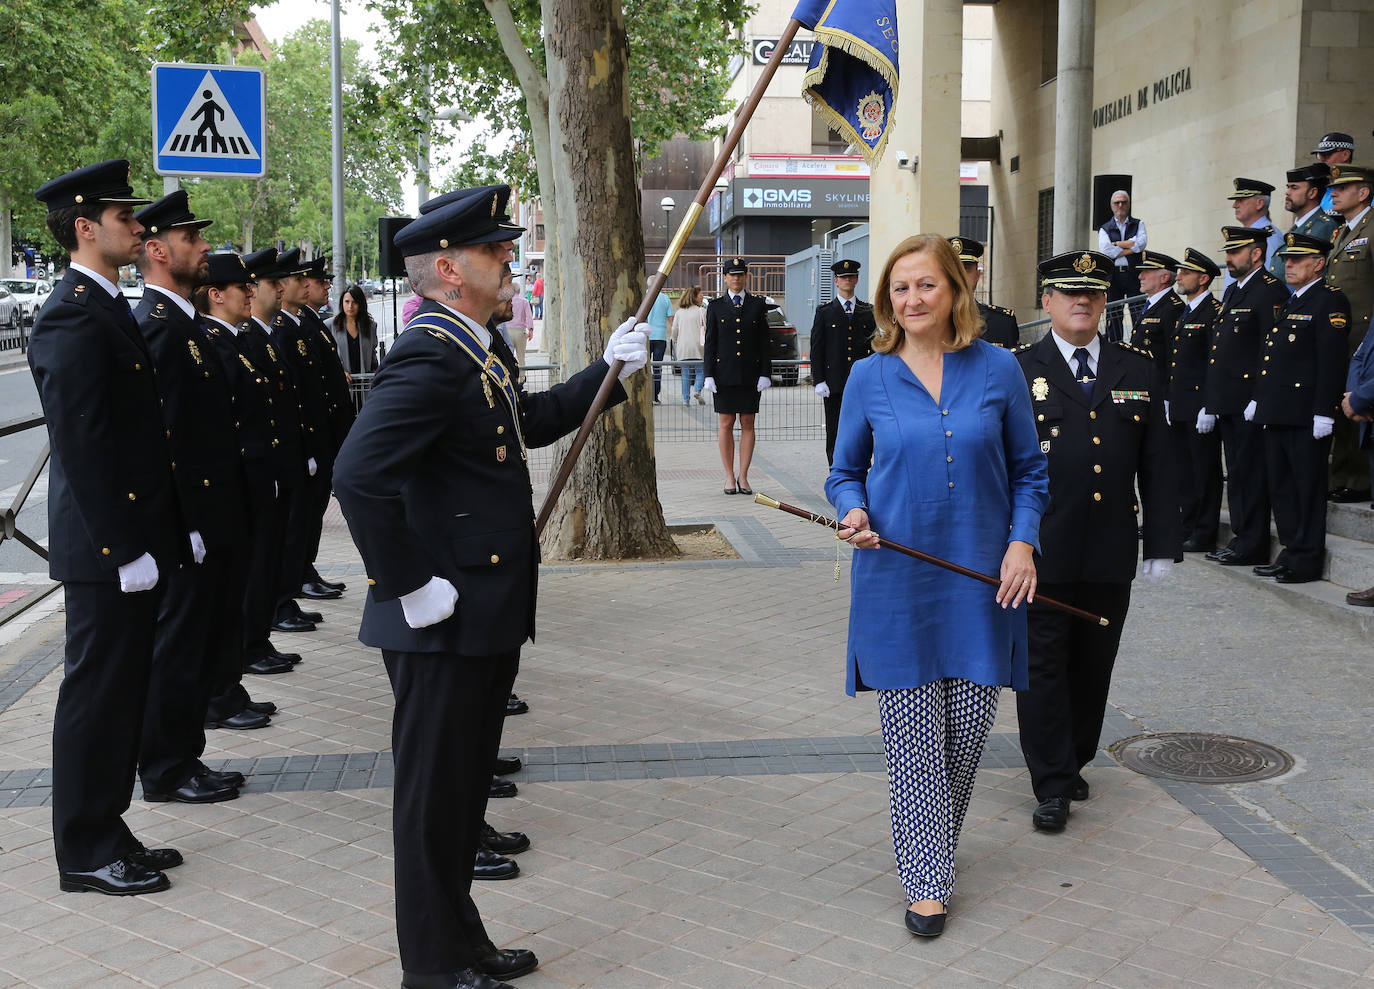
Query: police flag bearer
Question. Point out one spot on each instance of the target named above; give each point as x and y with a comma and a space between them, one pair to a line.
1197, 454
841, 334
1100, 416
738, 368
435, 486
114, 528
1297, 399
999, 323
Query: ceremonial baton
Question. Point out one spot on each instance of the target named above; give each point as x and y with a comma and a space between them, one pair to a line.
660, 278
916, 554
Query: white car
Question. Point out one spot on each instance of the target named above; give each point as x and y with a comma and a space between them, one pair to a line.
11, 314
31, 293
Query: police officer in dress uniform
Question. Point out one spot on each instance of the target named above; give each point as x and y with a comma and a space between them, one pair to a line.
1197, 454
435, 487
1303, 198
1100, 416
1297, 397
1248, 310
1250, 203
841, 334
1154, 331
224, 299
738, 369
1358, 407
1351, 270
114, 528
999, 323
198, 409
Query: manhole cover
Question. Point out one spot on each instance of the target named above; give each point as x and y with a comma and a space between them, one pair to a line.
1198, 757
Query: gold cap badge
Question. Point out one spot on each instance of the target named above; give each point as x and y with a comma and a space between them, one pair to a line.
1084, 264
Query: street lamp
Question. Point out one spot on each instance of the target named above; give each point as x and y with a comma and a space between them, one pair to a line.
667, 205
426, 123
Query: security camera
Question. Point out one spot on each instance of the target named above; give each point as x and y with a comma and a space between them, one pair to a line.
903, 159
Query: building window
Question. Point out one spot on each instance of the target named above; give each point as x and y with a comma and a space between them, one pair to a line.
1049, 40
1044, 234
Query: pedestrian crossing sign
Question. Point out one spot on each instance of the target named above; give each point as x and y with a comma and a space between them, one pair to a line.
209, 120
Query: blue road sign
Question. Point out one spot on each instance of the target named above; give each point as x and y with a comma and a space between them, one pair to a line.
209, 120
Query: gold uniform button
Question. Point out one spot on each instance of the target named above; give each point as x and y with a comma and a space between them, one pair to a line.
944, 412
1097, 496
1136, 418
1097, 468
371, 582
495, 558
1097, 441
169, 434
132, 496
138, 367
206, 482
500, 430
1040, 417
1092, 415
105, 550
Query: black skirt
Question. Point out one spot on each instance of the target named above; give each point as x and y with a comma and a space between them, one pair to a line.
737, 399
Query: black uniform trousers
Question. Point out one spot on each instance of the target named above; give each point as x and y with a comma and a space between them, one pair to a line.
264, 576
1296, 465
445, 732
1198, 459
99, 721
321, 493
832, 423
305, 515
1071, 662
1247, 486
227, 694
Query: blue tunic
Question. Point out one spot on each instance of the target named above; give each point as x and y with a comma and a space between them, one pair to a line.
959, 480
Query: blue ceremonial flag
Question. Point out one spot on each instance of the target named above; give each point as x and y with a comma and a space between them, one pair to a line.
852, 78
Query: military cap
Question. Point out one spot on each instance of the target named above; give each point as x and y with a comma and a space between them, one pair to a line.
1084, 271
1237, 237
289, 263
171, 212
1335, 141
438, 202
1318, 174
845, 267
1156, 261
1296, 245
1350, 172
737, 266
319, 268
967, 249
106, 182
1195, 260
261, 264
1245, 188
226, 269
470, 217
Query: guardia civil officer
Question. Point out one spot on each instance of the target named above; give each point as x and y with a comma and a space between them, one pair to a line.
1197, 453
1100, 416
841, 334
738, 369
1303, 198
114, 528
999, 323
1351, 269
1298, 395
434, 484
1153, 332
198, 610
1248, 309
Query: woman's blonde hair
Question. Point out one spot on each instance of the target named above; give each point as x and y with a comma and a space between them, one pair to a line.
689, 297
968, 325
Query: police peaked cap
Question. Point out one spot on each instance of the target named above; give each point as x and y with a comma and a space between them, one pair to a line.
1084, 271
1296, 245
1245, 188
319, 268
1335, 141
289, 263
261, 264
448, 198
171, 212
1350, 172
1195, 260
845, 267
106, 182
1318, 174
1155, 261
470, 217
226, 269
1238, 237
737, 266
967, 248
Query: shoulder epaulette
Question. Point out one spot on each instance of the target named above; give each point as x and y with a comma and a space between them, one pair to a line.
78, 294
1133, 348
159, 311
1024, 346
1004, 310
1268, 275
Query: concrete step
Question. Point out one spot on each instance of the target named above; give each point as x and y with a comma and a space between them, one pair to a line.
1349, 559
1352, 521
1320, 598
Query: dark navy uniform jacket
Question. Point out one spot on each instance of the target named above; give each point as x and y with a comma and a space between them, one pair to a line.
254, 420
255, 343
999, 325
737, 347
1156, 330
838, 339
339, 402
1359, 382
307, 378
1303, 367
111, 496
1242, 327
432, 480
1192, 348
1099, 450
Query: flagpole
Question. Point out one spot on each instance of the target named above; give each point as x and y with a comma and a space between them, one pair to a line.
670, 257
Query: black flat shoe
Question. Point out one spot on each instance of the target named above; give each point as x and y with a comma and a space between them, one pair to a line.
196, 790
514, 705
261, 707
243, 721
1241, 560
155, 859
507, 963
268, 666
319, 592
1291, 577
926, 926
333, 585
293, 624
314, 617
505, 765
1218, 555
502, 788
228, 777
1051, 814
1195, 545
468, 978
503, 842
1347, 496
122, 877
286, 657
1079, 791
489, 866
1269, 570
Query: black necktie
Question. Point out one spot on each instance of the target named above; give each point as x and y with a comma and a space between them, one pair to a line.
737, 301
848, 307
1082, 372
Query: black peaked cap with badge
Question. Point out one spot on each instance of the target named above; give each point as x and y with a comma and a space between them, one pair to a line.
845, 267
1195, 260
448, 198
320, 268
171, 212
1351, 172
737, 266
1245, 188
1082, 271
1234, 238
1296, 245
471, 217
968, 249
261, 264
226, 269
289, 263
104, 182
1154, 260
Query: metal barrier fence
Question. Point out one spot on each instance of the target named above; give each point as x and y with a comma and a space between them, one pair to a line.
15, 336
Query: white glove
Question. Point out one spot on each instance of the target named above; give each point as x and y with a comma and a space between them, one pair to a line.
822, 389
1205, 423
1250, 411
709, 386
141, 575
1156, 570
629, 343
311, 466
275, 491
1322, 426
765, 382
430, 604
197, 546
1167, 420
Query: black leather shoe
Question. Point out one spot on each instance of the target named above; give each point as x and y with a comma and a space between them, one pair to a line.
507, 963
1218, 555
227, 777
926, 926
243, 721
505, 765
319, 592
1051, 814
333, 585
293, 624
502, 788
503, 842
1079, 791
1196, 545
314, 617
1345, 496
1293, 577
1269, 570
261, 707
196, 790
286, 657
514, 705
490, 866
122, 877
468, 978
267, 666
1244, 560
155, 859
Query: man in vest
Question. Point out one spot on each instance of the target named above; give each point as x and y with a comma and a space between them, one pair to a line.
1122, 238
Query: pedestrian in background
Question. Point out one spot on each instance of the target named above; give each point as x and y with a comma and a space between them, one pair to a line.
519, 328
660, 322
936, 448
537, 295
689, 336
1122, 239
355, 335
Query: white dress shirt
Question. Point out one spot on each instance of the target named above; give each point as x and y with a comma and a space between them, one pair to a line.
1093, 347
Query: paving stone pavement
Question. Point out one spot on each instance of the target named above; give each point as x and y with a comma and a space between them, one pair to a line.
709, 810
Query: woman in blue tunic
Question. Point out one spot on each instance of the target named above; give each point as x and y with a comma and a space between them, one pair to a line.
936, 449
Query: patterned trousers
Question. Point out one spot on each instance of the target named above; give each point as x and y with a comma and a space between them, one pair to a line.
933, 736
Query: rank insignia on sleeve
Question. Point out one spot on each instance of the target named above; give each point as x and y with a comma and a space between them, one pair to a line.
195, 351
500, 454
1040, 389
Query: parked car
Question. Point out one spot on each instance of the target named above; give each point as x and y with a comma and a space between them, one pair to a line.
31, 293
131, 289
782, 339
11, 312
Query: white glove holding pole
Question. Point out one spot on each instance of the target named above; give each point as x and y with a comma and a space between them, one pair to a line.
140, 575
197, 547
1250, 410
1205, 423
1155, 571
822, 389
765, 382
430, 604
709, 386
1322, 426
629, 343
